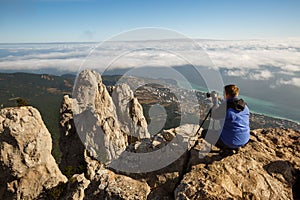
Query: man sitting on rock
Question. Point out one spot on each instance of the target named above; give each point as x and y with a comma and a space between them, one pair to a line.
234, 113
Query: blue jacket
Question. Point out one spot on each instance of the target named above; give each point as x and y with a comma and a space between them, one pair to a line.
235, 114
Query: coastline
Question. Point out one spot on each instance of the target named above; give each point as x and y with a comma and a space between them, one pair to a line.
276, 117
254, 105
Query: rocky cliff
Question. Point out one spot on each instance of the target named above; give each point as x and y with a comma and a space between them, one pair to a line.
130, 112
71, 157
268, 167
96, 119
26, 164
105, 123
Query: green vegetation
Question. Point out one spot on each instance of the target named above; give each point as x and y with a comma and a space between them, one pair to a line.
56, 192
43, 92
22, 102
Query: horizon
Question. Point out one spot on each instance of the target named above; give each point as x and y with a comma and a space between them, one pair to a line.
166, 39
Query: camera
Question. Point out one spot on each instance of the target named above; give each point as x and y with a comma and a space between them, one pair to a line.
214, 99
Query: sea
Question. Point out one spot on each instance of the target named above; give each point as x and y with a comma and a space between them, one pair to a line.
265, 107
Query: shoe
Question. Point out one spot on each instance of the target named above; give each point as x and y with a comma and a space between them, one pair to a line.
228, 152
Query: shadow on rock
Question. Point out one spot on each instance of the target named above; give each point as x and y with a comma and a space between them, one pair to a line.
285, 172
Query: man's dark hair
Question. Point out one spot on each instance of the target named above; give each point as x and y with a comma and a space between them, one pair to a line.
232, 90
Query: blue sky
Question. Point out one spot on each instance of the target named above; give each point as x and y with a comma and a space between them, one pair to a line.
91, 20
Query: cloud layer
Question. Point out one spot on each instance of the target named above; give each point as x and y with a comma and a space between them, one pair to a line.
248, 59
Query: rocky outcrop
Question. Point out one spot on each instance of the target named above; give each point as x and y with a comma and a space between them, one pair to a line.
163, 169
76, 187
104, 123
96, 119
102, 183
161, 161
108, 185
26, 164
71, 157
130, 112
266, 168
169, 146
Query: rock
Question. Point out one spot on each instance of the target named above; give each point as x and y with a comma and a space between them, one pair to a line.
182, 138
130, 112
26, 164
144, 156
96, 119
104, 123
168, 135
110, 89
162, 166
105, 184
265, 168
76, 187
70, 144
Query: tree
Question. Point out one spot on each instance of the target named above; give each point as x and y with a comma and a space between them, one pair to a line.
21, 102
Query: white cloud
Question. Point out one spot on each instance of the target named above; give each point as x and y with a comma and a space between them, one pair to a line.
253, 59
253, 74
261, 75
236, 73
292, 68
284, 55
295, 81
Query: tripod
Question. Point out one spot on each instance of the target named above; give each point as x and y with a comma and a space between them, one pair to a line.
202, 123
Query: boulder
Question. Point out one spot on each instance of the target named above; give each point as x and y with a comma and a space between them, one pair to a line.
26, 164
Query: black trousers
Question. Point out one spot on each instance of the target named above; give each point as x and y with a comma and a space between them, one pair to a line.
213, 137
